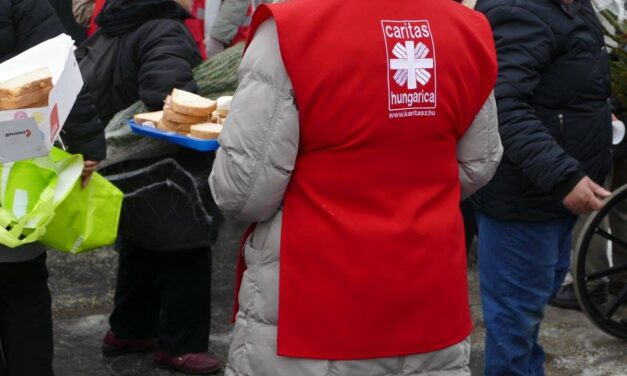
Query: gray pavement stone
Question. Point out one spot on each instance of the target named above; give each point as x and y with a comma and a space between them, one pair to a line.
83, 285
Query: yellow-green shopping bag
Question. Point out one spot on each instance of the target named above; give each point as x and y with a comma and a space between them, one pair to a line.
87, 218
29, 192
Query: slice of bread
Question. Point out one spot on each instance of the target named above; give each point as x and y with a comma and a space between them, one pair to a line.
217, 118
39, 104
31, 82
177, 127
25, 100
187, 103
148, 117
175, 117
207, 131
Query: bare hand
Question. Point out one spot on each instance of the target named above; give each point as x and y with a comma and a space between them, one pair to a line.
88, 170
586, 197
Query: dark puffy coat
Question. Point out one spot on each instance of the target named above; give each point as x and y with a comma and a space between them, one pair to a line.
553, 104
24, 24
140, 63
142, 51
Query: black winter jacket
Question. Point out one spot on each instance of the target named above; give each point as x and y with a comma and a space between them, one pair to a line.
25, 24
142, 52
553, 103
148, 62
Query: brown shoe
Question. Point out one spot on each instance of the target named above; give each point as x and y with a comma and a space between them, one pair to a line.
115, 346
194, 364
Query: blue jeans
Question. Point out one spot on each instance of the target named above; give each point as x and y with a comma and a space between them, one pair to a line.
521, 266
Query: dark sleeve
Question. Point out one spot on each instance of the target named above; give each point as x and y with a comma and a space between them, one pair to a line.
167, 55
34, 21
83, 132
524, 45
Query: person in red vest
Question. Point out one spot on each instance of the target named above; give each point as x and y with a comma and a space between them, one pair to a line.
356, 130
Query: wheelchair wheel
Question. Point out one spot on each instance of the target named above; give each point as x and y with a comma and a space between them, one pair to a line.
609, 313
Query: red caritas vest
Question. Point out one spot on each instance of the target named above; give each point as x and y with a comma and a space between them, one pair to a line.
373, 262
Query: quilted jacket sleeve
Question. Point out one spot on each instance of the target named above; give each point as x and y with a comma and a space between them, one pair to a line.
34, 22
167, 54
525, 44
232, 15
260, 139
480, 150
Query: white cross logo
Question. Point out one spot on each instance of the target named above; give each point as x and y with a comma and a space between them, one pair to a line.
411, 64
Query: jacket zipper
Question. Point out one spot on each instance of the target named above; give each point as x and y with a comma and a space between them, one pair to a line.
560, 138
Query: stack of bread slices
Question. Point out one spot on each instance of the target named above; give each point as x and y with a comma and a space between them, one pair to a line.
185, 113
28, 90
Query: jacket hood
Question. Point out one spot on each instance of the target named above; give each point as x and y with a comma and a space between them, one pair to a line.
120, 17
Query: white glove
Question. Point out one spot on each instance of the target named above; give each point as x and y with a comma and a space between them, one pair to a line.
213, 47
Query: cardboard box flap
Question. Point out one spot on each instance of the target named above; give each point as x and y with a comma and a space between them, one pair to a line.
51, 53
30, 132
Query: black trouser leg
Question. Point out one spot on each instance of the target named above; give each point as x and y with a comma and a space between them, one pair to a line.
26, 318
137, 300
185, 280
470, 222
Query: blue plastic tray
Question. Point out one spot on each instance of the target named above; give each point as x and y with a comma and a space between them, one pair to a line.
175, 138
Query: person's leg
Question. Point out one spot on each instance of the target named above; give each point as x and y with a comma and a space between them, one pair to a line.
137, 303
561, 270
26, 318
517, 269
185, 278
470, 222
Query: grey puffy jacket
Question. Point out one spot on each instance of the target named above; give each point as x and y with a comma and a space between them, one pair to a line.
250, 175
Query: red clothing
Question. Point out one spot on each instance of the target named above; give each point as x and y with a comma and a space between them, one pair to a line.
93, 27
372, 251
196, 26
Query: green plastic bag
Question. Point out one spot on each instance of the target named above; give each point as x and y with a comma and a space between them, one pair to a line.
87, 218
29, 192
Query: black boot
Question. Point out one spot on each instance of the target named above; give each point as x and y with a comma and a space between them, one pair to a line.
567, 299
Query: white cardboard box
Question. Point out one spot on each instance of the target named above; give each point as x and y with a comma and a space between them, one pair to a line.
30, 133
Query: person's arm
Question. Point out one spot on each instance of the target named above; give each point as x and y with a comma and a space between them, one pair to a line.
231, 16
83, 11
34, 22
83, 132
260, 140
167, 56
479, 151
525, 45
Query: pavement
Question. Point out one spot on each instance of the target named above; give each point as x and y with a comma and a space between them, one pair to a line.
82, 288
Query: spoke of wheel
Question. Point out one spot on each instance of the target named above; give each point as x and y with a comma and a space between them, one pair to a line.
606, 273
616, 303
610, 237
